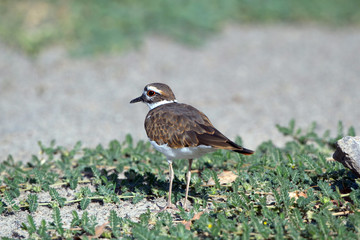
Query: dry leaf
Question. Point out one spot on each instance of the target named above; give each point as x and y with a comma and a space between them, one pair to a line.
225, 177
197, 216
296, 194
99, 230
188, 223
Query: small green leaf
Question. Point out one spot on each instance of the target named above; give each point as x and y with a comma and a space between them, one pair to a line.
340, 130
2, 208
33, 202
42, 231
96, 172
351, 132
141, 233
129, 140
88, 224
76, 221
11, 204
74, 179
216, 179
84, 203
57, 221
31, 228
56, 197
114, 222
138, 197
326, 189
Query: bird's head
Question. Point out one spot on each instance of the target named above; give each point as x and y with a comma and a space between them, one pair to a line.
156, 94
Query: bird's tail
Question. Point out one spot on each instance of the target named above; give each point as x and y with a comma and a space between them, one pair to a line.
244, 151
240, 149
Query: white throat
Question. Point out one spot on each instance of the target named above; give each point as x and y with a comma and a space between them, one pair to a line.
156, 104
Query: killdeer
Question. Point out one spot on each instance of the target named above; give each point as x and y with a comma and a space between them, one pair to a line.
180, 131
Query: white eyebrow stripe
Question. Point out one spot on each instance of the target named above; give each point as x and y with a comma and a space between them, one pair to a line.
155, 89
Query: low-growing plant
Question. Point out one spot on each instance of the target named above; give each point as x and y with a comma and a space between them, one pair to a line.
295, 191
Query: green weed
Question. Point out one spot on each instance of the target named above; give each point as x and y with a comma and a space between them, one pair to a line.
295, 191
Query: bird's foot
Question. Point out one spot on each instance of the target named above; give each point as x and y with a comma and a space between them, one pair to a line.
185, 207
168, 206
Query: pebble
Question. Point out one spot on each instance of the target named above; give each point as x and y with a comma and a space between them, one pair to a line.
348, 153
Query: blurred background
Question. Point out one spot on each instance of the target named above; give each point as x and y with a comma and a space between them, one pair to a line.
68, 69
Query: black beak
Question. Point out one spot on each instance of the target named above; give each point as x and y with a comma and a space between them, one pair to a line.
138, 99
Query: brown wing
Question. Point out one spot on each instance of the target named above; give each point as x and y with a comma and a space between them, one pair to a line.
181, 125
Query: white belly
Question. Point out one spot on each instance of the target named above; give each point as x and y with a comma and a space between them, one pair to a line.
182, 153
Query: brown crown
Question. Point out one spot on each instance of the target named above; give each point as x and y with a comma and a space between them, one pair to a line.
164, 91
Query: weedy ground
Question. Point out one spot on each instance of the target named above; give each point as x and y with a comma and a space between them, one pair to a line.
296, 191
91, 27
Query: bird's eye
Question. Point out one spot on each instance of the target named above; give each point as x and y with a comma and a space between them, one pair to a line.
150, 93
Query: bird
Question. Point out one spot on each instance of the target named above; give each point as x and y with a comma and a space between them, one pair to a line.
180, 131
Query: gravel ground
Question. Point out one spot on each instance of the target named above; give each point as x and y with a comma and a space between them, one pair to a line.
246, 79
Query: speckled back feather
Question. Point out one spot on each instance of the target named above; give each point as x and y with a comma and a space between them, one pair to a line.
180, 125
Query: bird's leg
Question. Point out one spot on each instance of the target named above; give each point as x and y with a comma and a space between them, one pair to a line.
171, 174
188, 177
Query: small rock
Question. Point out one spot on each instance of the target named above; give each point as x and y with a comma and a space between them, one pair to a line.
348, 153
270, 200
